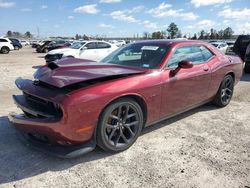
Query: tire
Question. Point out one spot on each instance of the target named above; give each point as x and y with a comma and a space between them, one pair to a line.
45, 50
115, 130
5, 50
225, 92
247, 67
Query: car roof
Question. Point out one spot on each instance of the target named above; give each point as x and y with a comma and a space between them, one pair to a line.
218, 43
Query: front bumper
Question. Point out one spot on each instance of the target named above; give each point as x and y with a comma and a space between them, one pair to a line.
66, 135
56, 150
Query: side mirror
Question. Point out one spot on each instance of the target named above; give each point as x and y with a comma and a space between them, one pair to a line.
185, 64
181, 65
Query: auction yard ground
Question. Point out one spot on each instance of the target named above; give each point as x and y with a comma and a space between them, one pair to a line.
205, 147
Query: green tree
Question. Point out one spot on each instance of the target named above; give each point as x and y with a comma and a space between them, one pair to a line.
228, 33
157, 35
28, 34
77, 37
212, 34
194, 37
146, 35
16, 34
172, 30
9, 34
220, 34
202, 35
179, 35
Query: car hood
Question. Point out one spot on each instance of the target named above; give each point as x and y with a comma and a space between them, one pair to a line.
70, 71
62, 50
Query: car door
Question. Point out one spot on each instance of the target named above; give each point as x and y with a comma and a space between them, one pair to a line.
189, 86
104, 49
89, 51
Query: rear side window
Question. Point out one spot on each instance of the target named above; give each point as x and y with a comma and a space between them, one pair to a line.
196, 54
91, 45
103, 45
3, 40
207, 54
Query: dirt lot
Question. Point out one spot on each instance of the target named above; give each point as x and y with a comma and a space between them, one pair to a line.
205, 147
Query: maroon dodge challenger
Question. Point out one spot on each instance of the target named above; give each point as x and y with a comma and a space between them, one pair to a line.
72, 105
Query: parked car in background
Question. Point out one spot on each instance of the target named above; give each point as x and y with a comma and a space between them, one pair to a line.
222, 46
247, 59
74, 105
24, 42
240, 48
229, 50
34, 44
58, 44
6, 45
118, 42
43, 48
91, 50
16, 43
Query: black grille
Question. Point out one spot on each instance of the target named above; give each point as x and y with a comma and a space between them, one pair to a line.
36, 107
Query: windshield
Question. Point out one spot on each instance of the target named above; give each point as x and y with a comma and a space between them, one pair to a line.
214, 44
77, 45
146, 55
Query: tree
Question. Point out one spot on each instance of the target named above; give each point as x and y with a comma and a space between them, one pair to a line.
146, 35
220, 34
77, 37
85, 37
172, 30
28, 34
16, 34
9, 34
194, 37
228, 33
179, 35
157, 35
202, 35
212, 33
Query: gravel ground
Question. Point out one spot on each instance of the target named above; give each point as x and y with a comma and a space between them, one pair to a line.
205, 147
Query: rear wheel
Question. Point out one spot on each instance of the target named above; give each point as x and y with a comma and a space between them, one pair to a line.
247, 67
225, 92
5, 50
120, 125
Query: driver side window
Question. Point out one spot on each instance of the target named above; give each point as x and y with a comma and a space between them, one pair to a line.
187, 53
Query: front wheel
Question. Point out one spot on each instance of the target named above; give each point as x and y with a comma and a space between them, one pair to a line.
120, 125
5, 50
225, 92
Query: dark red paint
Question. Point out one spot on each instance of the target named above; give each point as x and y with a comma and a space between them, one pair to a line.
164, 94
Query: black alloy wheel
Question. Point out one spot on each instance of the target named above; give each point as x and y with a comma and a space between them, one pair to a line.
120, 125
225, 92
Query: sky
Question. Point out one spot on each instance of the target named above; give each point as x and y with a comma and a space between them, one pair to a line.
121, 18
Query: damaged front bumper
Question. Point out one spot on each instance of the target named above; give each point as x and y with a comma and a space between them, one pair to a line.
43, 124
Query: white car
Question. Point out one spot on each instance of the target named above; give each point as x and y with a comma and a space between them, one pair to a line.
5, 45
118, 42
222, 46
24, 42
92, 50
